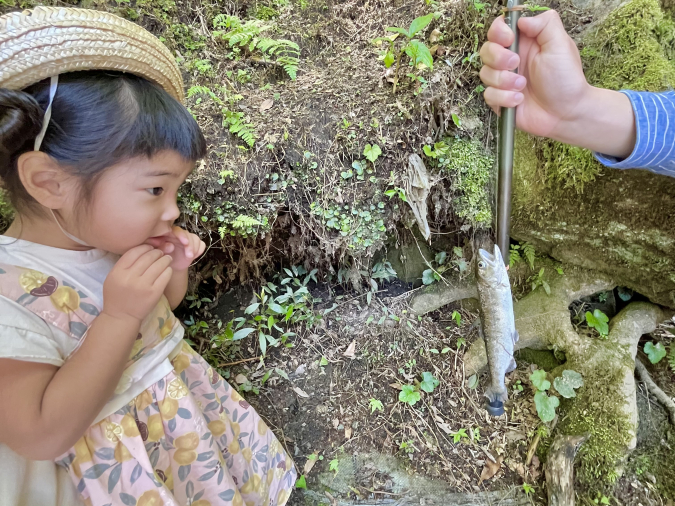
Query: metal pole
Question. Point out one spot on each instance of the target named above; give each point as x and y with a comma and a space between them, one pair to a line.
507, 126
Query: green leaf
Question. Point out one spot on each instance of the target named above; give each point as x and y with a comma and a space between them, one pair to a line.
376, 405
323, 362
458, 319
472, 382
429, 383
419, 53
301, 482
389, 59
428, 277
372, 152
567, 383
334, 465
456, 120
655, 352
242, 333
546, 406
252, 308
396, 29
263, 342
409, 394
598, 320
419, 24
538, 379
441, 257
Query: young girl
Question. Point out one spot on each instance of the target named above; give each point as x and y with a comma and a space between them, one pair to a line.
94, 372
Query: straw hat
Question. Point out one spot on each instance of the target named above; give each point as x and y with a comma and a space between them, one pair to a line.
47, 41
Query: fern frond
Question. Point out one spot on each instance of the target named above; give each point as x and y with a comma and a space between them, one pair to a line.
237, 126
203, 90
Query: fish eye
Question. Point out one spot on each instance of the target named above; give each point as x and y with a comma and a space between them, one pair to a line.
481, 264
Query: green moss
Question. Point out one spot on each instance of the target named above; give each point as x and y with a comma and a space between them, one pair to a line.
632, 49
6, 211
598, 412
545, 359
469, 169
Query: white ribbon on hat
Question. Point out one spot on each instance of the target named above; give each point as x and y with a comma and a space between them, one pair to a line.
48, 113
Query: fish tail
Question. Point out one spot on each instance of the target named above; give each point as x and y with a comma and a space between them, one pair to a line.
496, 394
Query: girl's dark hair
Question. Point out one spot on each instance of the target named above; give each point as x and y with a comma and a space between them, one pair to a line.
99, 119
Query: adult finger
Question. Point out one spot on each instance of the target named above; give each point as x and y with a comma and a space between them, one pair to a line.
546, 28
156, 268
498, 57
502, 79
501, 98
500, 33
130, 257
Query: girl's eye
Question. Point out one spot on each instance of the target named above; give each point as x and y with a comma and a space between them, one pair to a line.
157, 191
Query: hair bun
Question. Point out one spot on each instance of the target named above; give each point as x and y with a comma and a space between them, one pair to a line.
20, 121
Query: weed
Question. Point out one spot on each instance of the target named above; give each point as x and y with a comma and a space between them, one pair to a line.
518, 251
598, 320
538, 280
655, 352
335, 465
284, 53
429, 383
565, 385
372, 153
457, 436
528, 489
416, 50
409, 394
441, 265
376, 405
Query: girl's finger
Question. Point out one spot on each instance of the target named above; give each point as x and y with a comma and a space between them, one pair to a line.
502, 79
163, 279
202, 248
498, 57
130, 257
146, 260
182, 235
495, 97
168, 247
155, 269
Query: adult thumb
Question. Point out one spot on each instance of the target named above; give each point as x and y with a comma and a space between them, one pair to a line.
546, 28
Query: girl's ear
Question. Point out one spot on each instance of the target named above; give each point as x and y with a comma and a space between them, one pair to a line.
45, 180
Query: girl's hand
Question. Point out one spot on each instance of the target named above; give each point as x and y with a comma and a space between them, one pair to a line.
136, 283
181, 245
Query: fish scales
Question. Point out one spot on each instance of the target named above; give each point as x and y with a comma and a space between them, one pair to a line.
497, 320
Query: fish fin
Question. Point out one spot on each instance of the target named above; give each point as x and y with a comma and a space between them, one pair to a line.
515, 336
512, 366
496, 393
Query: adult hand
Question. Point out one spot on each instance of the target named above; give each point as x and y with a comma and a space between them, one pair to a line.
136, 283
181, 245
550, 88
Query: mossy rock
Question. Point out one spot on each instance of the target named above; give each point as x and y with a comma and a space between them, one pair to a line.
570, 206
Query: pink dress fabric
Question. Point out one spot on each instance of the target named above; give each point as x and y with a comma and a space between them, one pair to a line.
188, 439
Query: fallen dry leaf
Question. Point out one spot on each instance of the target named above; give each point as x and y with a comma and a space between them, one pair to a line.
348, 432
397, 386
490, 469
241, 379
267, 104
311, 460
300, 392
336, 423
434, 36
351, 349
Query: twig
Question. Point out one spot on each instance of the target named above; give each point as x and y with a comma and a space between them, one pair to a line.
238, 362
654, 389
533, 448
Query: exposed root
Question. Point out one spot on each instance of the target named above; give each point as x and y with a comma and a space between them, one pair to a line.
560, 469
654, 389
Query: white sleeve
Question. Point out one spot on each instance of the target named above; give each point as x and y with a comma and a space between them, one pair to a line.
25, 336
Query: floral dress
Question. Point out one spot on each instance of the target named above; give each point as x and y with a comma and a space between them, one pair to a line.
187, 438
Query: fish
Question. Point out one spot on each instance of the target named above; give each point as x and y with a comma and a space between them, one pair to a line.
497, 322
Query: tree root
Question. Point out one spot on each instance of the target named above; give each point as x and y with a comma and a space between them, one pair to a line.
560, 469
654, 389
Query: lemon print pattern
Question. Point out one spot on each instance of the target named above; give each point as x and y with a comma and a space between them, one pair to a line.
189, 439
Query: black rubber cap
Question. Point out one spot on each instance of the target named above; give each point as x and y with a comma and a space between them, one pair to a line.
495, 408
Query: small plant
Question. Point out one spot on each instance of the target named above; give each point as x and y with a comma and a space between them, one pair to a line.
434, 274
601, 499
284, 53
655, 352
518, 386
335, 465
459, 435
429, 383
439, 151
372, 153
196, 301
301, 482
528, 489
598, 320
458, 320
409, 394
407, 446
416, 50
376, 405
565, 386
518, 252
538, 280
400, 192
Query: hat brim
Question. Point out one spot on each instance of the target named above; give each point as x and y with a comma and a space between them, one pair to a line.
46, 41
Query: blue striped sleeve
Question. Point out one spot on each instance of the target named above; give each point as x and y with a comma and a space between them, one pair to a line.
655, 143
